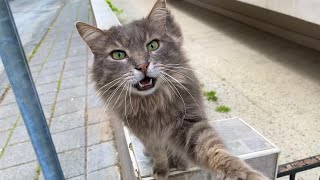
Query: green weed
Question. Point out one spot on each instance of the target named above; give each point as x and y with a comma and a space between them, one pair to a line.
223, 109
115, 9
211, 95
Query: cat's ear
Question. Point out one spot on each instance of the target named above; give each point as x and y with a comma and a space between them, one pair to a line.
161, 17
91, 35
158, 13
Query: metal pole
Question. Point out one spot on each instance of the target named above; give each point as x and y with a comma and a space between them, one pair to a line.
17, 69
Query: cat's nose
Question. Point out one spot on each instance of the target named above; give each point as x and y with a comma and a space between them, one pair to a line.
143, 67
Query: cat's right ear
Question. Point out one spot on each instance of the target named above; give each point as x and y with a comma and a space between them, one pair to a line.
91, 35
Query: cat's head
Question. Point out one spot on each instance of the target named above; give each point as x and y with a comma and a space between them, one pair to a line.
136, 54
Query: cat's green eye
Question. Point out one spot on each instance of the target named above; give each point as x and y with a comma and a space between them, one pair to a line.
118, 55
153, 45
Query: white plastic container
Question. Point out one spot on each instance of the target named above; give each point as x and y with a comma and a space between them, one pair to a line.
241, 139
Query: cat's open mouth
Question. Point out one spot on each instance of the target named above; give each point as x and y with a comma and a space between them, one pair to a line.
145, 84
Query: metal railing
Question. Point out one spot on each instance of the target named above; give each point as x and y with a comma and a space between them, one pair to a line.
19, 75
292, 168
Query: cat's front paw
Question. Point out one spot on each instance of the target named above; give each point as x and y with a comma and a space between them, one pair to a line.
160, 173
237, 174
255, 175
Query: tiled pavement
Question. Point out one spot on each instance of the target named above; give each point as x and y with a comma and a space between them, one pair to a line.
60, 68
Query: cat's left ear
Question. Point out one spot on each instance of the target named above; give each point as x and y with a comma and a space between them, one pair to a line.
91, 35
161, 17
158, 13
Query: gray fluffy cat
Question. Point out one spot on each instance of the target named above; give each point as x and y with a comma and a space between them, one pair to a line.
141, 70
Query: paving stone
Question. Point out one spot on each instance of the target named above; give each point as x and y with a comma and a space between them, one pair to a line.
101, 155
2, 90
48, 79
99, 132
54, 64
21, 172
72, 162
75, 73
47, 111
113, 173
69, 106
76, 92
82, 177
7, 123
17, 154
76, 49
93, 99
4, 81
3, 138
9, 110
19, 134
57, 54
35, 69
47, 99
68, 121
96, 115
75, 65
9, 98
73, 82
80, 58
51, 70
68, 140
47, 88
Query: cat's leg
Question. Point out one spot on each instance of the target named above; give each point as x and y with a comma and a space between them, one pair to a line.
160, 160
203, 146
178, 161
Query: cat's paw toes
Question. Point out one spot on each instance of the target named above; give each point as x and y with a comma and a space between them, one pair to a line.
255, 175
160, 173
243, 175
182, 166
145, 152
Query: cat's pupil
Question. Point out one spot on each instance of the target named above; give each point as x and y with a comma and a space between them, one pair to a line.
151, 46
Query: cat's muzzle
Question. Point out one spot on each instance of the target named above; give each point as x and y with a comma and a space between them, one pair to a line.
145, 84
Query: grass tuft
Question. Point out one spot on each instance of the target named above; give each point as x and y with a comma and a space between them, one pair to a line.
223, 109
211, 95
115, 9
38, 171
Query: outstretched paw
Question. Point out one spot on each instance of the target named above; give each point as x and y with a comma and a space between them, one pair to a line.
160, 173
255, 175
242, 175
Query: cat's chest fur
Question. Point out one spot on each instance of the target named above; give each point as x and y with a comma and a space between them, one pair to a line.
153, 114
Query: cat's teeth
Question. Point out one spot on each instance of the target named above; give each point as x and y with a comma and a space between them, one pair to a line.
140, 84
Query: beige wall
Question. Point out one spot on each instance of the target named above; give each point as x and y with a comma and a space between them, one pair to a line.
288, 27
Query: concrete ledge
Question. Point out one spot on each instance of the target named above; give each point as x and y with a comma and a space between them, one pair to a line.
288, 27
105, 18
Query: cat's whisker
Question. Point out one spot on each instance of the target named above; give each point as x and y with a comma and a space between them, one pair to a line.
97, 91
101, 95
107, 103
184, 76
125, 108
179, 95
180, 67
131, 100
187, 90
119, 96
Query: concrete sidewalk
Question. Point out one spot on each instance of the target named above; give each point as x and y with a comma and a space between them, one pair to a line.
60, 68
